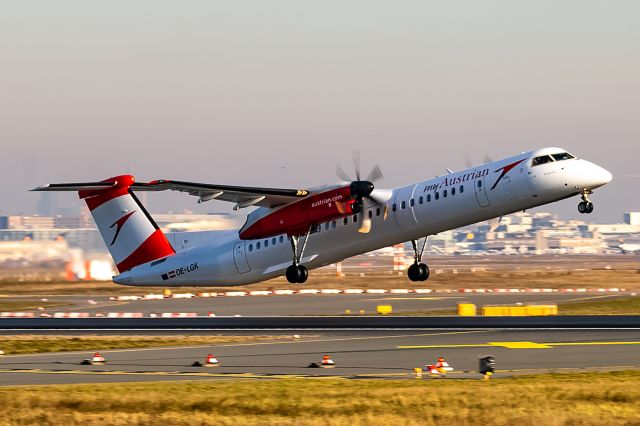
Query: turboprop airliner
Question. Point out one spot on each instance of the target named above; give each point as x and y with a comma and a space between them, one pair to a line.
294, 230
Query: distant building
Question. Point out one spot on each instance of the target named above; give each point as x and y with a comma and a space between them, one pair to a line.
632, 218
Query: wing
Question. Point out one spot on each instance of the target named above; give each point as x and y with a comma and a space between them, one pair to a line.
243, 196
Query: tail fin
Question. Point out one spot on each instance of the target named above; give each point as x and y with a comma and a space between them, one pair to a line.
131, 235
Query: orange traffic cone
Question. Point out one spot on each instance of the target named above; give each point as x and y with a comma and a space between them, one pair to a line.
211, 361
98, 359
327, 362
441, 367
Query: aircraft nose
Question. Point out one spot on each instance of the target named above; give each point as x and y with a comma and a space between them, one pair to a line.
601, 175
594, 176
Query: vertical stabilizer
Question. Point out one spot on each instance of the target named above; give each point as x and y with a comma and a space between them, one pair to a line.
131, 235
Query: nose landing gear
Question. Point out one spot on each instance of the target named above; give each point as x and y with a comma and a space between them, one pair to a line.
585, 206
418, 271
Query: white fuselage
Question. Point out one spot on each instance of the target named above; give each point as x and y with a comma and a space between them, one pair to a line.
414, 211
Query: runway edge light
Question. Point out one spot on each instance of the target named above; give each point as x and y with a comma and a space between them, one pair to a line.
487, 366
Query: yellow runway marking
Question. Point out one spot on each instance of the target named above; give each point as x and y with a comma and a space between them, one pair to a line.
518, 345
418, 298
157, 373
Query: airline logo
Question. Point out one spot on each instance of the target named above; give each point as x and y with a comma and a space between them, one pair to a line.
473, 175
118, 224
506, 169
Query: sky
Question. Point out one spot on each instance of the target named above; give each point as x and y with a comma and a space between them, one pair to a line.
278, 93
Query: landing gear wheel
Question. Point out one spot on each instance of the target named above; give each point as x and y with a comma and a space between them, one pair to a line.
414, 272
293, 274
582, 207
585, 207
303, 274
424, 272
297, 274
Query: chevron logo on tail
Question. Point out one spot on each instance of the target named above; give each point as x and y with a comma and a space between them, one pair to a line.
118, 224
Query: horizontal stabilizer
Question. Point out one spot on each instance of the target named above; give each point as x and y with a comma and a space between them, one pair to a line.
78, 186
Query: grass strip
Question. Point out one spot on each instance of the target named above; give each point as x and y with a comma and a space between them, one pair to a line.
618, 306
551, 399
31, 344
25, 305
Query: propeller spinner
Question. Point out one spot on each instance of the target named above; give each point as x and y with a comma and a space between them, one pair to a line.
362, 189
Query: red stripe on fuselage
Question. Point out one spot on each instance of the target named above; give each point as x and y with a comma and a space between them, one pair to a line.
155, 247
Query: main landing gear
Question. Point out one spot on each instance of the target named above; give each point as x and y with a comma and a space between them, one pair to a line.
418, 271
297, 273
585, 206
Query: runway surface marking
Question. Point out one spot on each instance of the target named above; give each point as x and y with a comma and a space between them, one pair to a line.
417, 298
255, 376
518, 345
164, 348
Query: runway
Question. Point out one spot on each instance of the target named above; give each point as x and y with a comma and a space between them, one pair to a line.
381, 354
301, 304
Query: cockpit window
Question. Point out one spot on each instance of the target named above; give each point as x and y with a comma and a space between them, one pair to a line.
563, 156
543, 159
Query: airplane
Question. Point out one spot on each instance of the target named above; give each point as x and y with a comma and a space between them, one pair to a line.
294, 230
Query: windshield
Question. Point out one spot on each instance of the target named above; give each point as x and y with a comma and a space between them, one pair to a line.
563, 156
543, 159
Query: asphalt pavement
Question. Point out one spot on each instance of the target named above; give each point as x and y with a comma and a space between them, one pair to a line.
357, 354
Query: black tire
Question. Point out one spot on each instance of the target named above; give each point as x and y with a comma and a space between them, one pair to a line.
582, 207
424, 272
303, 274
589, 207
414, 273
292, 274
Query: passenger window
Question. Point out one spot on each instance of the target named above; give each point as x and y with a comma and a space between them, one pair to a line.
326, 226
370, 214
421, 200
542, 160
333, 224
355, 218
461, 189
258, 245
345, 221
378, 211
281, 239
250, 248
273, 241
479, 184
437, 195
266, 243
403, 204
412, 202
428, 198
444, 193
562, 156
393, 207
453, 191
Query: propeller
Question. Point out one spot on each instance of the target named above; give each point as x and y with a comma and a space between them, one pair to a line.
361, 190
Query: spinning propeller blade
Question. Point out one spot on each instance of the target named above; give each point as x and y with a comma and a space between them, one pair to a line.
361, 190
